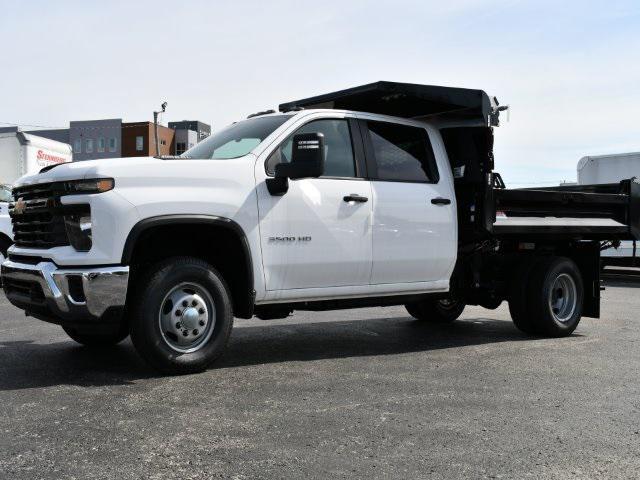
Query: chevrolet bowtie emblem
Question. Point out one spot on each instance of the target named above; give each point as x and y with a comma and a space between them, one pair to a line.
19, 206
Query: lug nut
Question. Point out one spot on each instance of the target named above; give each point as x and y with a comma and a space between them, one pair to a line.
185, 333
184, 303
178, 325
194, 303
195, 332
178, 313
201, 311
201, 322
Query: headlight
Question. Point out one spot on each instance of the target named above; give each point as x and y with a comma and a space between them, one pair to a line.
97, 185
78, 225
78, 228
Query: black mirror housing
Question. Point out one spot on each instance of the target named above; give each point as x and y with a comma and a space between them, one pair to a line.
307, 157
307, 161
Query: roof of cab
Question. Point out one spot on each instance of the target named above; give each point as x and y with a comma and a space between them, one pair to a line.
405, 100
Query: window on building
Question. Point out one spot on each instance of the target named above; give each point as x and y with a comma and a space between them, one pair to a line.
88, 145
77, 145
139, 143
402, 153
112, 144
181, 147
101, 144
338, 160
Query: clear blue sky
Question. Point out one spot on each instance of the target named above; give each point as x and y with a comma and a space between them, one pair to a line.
569, 70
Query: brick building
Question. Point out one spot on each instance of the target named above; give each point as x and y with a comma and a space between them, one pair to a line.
138, 140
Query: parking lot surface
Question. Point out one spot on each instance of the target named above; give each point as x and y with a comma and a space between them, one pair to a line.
366, 393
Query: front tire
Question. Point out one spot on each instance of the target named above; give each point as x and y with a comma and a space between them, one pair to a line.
443, 310
182, 315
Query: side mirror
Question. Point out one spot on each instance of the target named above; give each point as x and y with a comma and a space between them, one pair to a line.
307, 161
307, 157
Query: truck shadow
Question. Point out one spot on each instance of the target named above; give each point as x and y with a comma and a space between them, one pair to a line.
24, 364
257, 345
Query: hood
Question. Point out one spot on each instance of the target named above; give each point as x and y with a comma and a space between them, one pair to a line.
136, 172
85, 169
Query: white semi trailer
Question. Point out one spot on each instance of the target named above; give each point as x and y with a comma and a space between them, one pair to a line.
608, 169
23, 154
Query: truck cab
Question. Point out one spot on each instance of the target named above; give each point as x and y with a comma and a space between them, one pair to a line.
313, 207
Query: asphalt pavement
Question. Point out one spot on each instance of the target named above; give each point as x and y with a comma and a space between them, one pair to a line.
366, 393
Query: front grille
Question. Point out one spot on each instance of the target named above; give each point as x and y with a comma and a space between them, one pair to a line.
38, 215
28, 259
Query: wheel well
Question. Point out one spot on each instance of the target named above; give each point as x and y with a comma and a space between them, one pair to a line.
222, 244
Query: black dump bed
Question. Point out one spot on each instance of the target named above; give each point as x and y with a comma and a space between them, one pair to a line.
485, 206
406, 100
594, 212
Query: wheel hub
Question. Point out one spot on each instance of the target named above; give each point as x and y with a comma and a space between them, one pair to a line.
187, 317
563, 298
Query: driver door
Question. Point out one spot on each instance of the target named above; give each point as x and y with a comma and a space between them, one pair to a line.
317, 235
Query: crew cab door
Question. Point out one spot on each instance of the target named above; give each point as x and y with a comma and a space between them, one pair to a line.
414, 225
317, 234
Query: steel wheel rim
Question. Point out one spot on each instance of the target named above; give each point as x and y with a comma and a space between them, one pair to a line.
187, 317
563, 298
448, 303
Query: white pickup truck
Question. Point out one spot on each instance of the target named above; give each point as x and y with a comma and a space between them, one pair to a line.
382, 194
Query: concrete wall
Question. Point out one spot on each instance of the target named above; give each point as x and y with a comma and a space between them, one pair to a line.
85, 132
59, 135
202, 129
188, 137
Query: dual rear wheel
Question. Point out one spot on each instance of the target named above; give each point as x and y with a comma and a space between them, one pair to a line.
545, 298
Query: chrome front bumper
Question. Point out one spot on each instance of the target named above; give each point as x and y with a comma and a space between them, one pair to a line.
60, 294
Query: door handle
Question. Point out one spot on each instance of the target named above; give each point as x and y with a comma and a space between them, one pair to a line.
354, 197
441, 201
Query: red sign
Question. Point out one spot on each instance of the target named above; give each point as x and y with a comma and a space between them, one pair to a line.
48, 159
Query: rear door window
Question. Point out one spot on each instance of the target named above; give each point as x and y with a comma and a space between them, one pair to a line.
401, 153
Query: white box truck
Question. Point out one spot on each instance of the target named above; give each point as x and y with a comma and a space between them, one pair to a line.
612, 169
23, 154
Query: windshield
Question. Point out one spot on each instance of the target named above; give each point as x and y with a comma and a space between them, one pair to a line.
237, 139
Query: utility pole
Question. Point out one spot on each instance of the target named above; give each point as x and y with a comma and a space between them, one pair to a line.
155, 126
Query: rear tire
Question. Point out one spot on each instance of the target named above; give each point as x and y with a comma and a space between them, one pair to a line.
518, 296
444, 310
90, 337
182, 315
556, 295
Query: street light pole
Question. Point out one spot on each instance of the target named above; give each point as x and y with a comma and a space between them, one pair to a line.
155, 126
